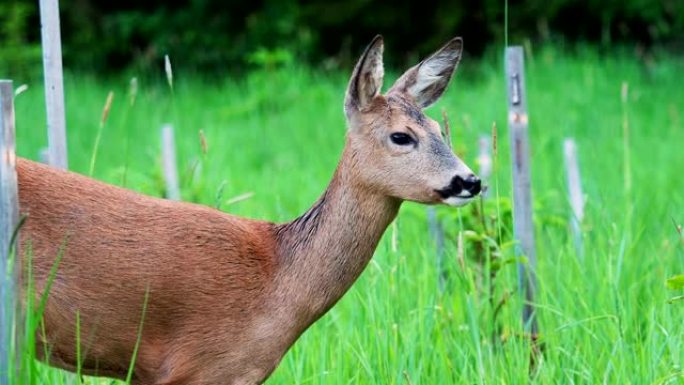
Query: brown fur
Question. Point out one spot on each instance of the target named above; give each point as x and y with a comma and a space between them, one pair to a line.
227, 296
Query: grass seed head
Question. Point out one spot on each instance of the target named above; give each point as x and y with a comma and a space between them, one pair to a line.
20, 89
169, 71
106, 108
203, 142
447, 129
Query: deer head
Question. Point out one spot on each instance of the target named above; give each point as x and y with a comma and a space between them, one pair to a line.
399, 151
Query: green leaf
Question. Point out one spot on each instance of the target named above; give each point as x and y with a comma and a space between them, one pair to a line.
676, 282
674, 299
499, 263
472, 235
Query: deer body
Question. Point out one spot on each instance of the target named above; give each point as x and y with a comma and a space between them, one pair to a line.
243, 290
225, 297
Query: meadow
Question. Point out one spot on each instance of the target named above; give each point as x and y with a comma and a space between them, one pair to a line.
273, 138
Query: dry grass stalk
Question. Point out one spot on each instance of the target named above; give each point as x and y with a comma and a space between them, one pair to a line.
447, 129
494, 142
106, 108
239, 198
408, 379
103, 120
203, 142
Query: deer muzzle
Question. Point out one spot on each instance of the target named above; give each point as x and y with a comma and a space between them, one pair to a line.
461, 190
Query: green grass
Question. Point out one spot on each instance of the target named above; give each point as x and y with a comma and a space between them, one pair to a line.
279, 134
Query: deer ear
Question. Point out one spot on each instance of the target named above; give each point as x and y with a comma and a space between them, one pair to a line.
366, 80
426, 82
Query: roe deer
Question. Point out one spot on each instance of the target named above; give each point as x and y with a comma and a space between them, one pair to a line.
227, 296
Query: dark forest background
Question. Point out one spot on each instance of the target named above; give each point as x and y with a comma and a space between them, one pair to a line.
215, 35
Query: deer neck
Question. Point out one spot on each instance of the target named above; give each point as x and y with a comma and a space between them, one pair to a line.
325, 250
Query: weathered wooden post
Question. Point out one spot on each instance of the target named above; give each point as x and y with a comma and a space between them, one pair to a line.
522, 195
436, 231
54, 84
9, 217
169, 163
575, 195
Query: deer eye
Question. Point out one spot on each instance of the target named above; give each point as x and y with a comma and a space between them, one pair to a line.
401, 138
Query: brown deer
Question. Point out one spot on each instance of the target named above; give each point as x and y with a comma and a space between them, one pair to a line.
225, 297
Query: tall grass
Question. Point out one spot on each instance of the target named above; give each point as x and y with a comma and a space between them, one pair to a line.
278, 135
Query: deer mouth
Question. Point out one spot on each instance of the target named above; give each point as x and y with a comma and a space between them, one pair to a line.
456, 195
458, 201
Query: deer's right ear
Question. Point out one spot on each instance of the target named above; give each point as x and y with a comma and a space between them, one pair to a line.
366, 80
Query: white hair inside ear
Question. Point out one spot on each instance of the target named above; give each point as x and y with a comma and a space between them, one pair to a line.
437, 68
427, 81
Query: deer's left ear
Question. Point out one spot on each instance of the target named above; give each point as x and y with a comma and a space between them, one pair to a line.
366, 80
426, 82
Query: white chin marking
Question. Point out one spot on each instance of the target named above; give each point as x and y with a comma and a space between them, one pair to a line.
457, 201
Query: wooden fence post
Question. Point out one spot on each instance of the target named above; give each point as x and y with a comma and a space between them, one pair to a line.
436, 231
9, 217
522, 196
54, 83
169, 163
574, 193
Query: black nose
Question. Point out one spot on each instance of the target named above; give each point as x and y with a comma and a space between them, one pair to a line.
471, 183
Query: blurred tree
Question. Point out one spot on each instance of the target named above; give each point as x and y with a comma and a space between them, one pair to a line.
17, 47
226, 35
